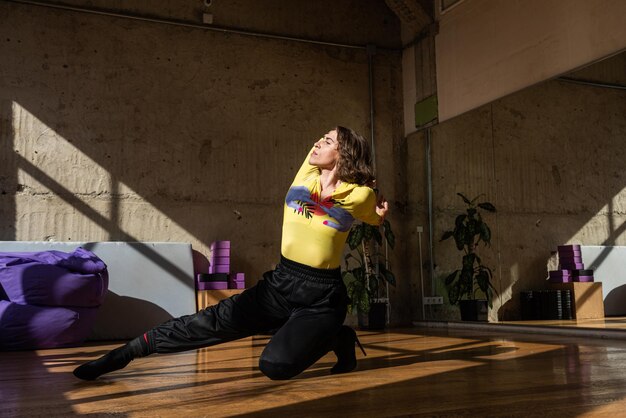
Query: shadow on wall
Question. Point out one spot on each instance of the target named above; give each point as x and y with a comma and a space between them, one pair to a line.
615, 298
8, 172
121, 138
133, 315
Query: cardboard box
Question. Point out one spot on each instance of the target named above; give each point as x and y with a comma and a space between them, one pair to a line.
587, 301
206, 298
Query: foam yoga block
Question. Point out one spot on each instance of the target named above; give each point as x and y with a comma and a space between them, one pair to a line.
572, 266
219, 245
237, 281
212, 285
220, 252
219, 269
223, 261
216, 277
568, 253
560, 276
236, 285
582, 275
559, 273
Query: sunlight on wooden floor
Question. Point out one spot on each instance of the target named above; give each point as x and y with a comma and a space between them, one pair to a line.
409, 371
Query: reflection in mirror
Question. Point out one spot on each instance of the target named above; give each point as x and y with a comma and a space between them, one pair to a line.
551, 159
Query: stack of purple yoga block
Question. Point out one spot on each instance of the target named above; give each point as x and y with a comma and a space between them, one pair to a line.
219, 276
571, 267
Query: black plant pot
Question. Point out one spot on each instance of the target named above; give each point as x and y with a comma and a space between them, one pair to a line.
376, 318
474, 310
378, 315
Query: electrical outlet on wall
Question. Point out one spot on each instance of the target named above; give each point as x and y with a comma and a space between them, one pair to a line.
433, 300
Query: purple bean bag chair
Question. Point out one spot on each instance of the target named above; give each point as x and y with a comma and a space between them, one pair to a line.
51, 298
24, 327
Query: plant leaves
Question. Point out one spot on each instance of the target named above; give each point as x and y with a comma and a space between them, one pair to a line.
386, 274
364, 282
459, 220
359, 274
446, 235
389, 235
350, 256
448, 280
356, 236
470, 232
465, 199
377, 236
359, 298
368, 231
466, 283
476, 198
364, 303
373, 283
483, 281
468, 261
485, 233
453, 295
348, 278
487, 206
459, 238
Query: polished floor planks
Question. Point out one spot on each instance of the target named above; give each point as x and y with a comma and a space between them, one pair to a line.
617, 323
408, 372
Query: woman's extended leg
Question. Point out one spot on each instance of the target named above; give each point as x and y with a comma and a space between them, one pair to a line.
257, 309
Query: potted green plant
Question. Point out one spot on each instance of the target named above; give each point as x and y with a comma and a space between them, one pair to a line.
367, 272
469, 230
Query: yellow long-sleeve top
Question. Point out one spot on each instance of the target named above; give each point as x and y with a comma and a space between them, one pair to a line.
314, 229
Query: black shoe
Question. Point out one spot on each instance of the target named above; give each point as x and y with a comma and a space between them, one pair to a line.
114, 360
345, 350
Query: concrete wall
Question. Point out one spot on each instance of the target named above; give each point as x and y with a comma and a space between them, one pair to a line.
551, 159
118, 129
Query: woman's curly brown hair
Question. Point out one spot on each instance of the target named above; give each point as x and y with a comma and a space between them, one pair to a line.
355, 157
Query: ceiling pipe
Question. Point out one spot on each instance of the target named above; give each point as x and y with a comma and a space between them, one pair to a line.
181, 23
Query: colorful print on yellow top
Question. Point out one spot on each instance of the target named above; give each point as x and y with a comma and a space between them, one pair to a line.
315, 229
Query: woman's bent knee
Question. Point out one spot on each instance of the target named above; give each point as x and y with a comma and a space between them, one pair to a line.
277, 371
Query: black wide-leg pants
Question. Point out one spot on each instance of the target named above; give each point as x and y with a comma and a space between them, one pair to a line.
307, 307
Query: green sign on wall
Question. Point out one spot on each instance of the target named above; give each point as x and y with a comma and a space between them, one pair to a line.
426, 111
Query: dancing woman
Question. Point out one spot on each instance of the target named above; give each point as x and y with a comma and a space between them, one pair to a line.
304, 300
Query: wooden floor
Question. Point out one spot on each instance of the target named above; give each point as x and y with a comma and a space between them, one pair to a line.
408, 372
618, 323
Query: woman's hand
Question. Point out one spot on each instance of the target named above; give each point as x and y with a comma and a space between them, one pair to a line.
382, 206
